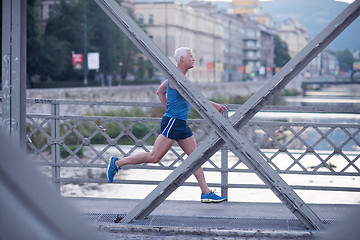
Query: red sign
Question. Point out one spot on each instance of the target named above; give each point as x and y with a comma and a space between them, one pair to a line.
240, 69
77, 60
209, 67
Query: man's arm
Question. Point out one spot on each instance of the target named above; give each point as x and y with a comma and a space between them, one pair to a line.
161, 92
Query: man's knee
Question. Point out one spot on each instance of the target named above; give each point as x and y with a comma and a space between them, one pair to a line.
154, 159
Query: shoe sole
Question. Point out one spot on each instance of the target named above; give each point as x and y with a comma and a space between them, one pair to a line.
107, 170
212, 201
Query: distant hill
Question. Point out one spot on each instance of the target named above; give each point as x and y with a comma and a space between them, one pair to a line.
316, 15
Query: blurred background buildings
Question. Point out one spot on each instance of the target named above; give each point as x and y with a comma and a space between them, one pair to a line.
232, 41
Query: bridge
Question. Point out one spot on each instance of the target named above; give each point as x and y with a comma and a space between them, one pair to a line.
234, 135
331, 80
296, 150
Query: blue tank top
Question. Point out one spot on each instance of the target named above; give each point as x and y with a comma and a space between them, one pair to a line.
176, 107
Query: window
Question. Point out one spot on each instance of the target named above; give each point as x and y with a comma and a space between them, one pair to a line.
151, 19
141, 18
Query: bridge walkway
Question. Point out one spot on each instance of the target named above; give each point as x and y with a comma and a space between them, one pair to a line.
195, 220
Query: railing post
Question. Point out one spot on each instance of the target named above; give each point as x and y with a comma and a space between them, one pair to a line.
224, 166
55, 146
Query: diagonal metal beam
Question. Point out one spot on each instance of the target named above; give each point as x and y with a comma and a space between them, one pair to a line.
241, 147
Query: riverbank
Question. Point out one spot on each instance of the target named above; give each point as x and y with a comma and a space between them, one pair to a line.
142, 93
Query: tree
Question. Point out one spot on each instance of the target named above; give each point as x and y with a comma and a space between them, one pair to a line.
33, 39
56, 59
117, 53
281, 52
64, 34
346, 60
145, 69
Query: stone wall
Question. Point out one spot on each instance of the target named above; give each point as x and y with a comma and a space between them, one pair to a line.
146, 93
143, 93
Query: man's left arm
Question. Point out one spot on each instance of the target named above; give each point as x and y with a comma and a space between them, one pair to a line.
221, 108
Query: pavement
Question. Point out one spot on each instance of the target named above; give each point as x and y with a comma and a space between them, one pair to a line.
195, 220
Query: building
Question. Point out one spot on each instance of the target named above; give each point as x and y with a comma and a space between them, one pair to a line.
266, 52
294, 34
258, 44
251, 45
172, 25
249, 7
227, 47
258, 48
233, 50
46, 6
323, 64
232, 38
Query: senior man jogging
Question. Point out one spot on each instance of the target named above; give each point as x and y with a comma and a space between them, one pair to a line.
173, 128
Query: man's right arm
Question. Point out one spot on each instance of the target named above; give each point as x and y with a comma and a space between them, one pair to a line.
161, 92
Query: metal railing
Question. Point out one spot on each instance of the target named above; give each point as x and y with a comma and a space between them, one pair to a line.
57, 142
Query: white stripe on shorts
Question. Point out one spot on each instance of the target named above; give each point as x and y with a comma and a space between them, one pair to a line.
169, 126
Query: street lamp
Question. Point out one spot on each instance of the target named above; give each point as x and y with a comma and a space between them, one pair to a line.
85, 48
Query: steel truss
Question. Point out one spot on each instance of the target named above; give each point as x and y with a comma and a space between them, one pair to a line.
14, 70
226, 130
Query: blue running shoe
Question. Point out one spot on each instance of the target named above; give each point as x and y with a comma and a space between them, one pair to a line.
212, 197
111, 169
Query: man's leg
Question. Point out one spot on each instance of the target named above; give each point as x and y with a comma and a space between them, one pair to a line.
161, 147
188, 145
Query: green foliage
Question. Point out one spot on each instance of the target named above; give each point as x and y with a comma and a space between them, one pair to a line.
193, 114
346, 60
50, 50
55, 67
143, 67
107, 39
237, 99
64, 153
281, 52
289, 92
114, 129
39, 140
33, 32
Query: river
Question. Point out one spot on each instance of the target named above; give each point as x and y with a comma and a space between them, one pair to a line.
343, 97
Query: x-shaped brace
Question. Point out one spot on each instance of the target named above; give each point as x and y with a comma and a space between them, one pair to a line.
226, 131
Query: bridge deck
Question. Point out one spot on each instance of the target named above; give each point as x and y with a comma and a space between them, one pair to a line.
192, 216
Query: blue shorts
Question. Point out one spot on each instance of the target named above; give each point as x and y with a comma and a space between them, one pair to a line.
175, 129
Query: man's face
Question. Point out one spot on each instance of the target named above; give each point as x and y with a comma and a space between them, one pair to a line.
189, 60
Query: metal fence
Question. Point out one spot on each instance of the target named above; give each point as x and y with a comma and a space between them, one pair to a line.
58, 142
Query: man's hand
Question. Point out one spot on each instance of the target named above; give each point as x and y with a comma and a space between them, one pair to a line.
221, 108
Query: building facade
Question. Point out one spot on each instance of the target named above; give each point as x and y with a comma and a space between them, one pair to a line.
233, 51
45, 8
172, 25
232, 65
250, 7
294, 34
227, 47
266, 52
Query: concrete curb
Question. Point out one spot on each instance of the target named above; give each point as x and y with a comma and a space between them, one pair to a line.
276, 234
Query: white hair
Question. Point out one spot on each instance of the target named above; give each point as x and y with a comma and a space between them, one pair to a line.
181, 52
